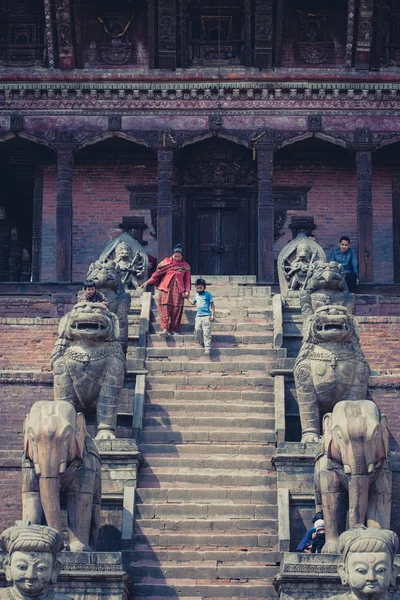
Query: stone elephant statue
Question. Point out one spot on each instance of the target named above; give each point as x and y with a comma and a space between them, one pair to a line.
61, 463
352, 470
89, 364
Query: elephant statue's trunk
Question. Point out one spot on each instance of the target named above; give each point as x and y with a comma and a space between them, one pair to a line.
358, 499
50, 497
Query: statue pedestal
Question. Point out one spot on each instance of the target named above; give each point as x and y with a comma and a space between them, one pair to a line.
304, 576
93, 576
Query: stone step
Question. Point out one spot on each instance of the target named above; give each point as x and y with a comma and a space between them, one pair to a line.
225, 279
207, 511
193, 526
207, 450
217, 338
216, 380
193, 352
178, 422
157, 477
229, 496
219, 327
174, 590
167, 409
145, 554
225, 313
198, 572
222, 461
207, 365
256, 539
206, 435
206, 396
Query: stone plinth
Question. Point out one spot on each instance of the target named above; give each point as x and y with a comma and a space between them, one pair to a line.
294, 463
305, 576
93, 576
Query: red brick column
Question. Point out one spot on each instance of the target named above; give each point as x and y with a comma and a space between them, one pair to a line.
64, 214
265, 212
165, 162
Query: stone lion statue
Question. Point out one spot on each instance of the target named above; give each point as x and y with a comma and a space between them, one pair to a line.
108, 281
326, 284
330, 366
89, 364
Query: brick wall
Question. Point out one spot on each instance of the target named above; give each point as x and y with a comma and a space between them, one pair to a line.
19, 306
100, 200
26, 344
380, 342
332, 201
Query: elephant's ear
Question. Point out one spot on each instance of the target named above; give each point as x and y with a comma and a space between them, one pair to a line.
80, 435
27, 444
327, 429
385, 433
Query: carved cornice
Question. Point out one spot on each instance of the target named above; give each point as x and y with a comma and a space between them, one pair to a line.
234, 96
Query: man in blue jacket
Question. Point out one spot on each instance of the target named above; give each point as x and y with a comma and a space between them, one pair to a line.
346, 256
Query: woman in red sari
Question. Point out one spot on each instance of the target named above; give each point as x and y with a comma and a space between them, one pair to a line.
172, 279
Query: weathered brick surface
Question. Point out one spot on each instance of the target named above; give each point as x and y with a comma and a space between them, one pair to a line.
20, 306
380, 342
27, 343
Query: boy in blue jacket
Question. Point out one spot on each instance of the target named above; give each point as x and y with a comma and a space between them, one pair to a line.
204, 315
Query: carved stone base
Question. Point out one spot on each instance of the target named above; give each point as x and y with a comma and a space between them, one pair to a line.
97, 575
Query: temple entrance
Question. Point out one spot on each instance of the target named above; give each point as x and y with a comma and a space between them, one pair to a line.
215, 208
218, 242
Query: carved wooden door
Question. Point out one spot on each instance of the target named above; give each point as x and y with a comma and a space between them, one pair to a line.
218, 241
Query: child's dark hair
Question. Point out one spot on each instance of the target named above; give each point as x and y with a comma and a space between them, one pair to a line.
344, 238
200, 282
88, 283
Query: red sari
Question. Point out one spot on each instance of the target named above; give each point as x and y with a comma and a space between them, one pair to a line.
172, 279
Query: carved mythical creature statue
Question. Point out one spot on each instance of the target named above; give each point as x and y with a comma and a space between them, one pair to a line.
367, 563
326, 285
61, 460
330, 366
89, 365
294, 262
108, 280
130, 259
296, 272
131, 265
31, 566
352, 470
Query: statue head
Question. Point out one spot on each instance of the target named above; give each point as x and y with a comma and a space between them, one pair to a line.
367, 561
32, 563
303, 252
123, 252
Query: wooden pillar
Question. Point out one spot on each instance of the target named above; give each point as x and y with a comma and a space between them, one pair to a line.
65, 35
165, 163
152, 35
351, 13
184, 35
263, 34
48, 28
265, 213
37, 224
280, 7
64, 214
167, 34
364, 215
364, 35
247, 33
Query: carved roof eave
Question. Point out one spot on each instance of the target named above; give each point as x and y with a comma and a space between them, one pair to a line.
152, 139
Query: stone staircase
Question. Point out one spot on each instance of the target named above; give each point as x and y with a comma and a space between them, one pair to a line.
206, 503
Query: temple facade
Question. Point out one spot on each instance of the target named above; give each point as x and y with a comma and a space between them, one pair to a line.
209, 123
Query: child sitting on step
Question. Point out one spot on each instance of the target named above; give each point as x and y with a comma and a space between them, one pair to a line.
204, 315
